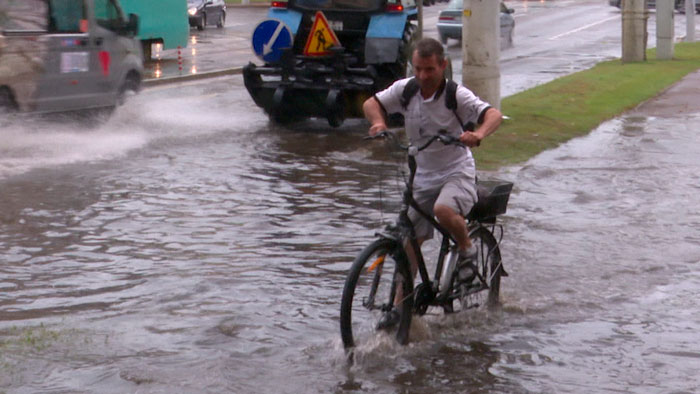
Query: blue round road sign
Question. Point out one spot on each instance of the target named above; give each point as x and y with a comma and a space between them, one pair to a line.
270, 37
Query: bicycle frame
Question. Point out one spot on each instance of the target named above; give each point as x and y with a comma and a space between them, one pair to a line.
405, 231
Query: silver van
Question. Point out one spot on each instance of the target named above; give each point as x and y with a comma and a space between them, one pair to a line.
67, 55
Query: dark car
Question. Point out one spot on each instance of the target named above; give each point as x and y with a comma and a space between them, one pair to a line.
206, 12
449, 23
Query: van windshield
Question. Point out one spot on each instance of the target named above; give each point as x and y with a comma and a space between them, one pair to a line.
363, 5
107, 14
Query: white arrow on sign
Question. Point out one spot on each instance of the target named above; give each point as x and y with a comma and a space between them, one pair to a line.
267, 47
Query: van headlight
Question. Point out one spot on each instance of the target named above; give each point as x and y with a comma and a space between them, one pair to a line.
192, 11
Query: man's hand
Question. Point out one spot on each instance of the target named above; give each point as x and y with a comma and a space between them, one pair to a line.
492, 119
470, 139
377, 128
374, 113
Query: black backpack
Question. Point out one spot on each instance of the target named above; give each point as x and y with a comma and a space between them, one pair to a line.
412, 88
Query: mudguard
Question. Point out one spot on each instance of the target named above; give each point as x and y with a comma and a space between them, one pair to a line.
290, 18
383, 37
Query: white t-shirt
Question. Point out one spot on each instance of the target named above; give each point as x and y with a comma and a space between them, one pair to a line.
423, 119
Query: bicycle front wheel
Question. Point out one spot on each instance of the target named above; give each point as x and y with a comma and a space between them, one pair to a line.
376, 283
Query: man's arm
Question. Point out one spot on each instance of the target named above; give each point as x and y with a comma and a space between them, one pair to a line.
492, 119
375, 114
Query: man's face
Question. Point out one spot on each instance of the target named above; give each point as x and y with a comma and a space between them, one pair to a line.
429, 72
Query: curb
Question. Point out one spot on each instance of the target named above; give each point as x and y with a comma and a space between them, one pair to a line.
147, 83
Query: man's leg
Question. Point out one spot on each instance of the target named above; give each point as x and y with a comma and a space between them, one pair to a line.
456, 199
423, 230
391, 318
455, 224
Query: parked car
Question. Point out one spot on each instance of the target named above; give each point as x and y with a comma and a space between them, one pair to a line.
450, 22
618, 3
680, 6
206, 12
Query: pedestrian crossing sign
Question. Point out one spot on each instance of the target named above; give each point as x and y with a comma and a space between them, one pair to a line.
321, 38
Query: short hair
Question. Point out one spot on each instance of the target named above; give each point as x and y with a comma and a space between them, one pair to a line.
427, 47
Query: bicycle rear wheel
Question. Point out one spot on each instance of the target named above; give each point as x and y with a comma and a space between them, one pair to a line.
488, 262
371, 288
486, 289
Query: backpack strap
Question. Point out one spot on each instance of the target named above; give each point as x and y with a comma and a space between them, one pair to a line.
412, 88
451, 96
409, 91
451, 104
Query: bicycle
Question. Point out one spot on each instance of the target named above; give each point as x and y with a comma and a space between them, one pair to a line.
382, 270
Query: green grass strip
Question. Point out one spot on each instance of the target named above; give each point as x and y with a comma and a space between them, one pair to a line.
544, 117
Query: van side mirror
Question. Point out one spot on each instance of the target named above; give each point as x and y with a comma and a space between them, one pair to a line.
132, 26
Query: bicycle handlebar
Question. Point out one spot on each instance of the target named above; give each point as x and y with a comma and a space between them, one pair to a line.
441, 136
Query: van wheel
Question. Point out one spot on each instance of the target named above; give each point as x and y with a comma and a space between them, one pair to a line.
129, 88
222, 20
202, 22
7, 102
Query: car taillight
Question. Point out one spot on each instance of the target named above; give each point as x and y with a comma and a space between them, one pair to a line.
279, 4
394, 8
446, 18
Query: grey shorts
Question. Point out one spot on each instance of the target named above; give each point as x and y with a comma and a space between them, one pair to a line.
458, 193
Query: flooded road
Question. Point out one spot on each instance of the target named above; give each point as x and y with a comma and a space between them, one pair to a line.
188, 246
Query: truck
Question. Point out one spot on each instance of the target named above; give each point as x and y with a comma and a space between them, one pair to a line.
160, 22
368, 48
67, 55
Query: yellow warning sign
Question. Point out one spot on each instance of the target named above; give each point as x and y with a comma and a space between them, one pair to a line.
321, 38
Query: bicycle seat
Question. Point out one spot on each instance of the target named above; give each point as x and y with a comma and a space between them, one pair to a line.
492, 200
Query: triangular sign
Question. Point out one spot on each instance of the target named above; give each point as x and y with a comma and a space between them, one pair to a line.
321, 38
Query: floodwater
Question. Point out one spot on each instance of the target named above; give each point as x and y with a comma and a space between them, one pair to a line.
188, 246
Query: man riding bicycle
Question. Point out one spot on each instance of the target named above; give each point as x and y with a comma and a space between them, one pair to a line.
445, 181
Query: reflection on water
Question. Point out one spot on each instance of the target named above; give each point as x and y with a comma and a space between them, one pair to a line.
210, 255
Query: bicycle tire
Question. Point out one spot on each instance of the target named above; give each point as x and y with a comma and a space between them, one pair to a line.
488, 262
368, 292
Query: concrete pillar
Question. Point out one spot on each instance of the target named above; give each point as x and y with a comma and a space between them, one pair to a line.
419, 33
634, 30
481, 49
690, 21
664, 29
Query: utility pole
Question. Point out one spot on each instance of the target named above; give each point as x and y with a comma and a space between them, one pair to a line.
481, 49
419, 33
664, 29
690, 21
634, 30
